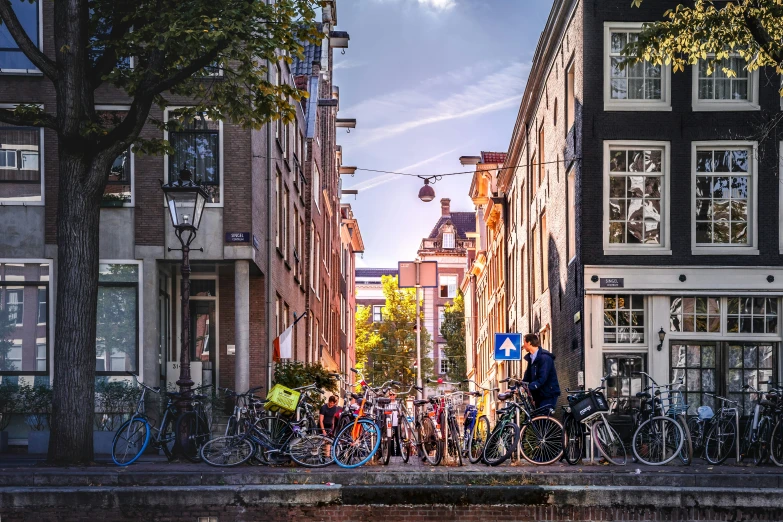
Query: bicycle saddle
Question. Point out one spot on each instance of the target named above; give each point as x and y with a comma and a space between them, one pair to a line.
420, 403
383, 400
504, 396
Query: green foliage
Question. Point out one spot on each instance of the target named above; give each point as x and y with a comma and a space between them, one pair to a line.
387, 350
7, 328
35, 402
114, 401
297, 374
453, 330
8, 403
712, 31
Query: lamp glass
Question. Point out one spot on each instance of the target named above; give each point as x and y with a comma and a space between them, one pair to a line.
661, 335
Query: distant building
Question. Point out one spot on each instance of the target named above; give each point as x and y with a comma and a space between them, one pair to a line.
369, 289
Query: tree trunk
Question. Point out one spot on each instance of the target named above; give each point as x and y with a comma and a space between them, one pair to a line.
78, 217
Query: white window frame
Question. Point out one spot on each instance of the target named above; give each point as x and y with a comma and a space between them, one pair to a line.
751, 104
140, 315
316, 186
34, 71
126, 108
377, 309
452, 243
41, 165
752, 247
449, 286
664, 104
221, 134
624, 249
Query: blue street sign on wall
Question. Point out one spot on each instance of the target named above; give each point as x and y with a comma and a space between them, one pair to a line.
508, 347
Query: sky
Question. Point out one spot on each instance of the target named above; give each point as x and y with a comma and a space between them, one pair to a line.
428, 81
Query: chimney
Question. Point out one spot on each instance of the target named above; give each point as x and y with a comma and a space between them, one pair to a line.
445, 207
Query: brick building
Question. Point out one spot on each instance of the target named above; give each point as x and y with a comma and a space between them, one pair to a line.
449, 244
270, 191
644, 212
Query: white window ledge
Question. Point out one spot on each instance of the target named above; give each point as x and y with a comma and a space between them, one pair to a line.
633, 105
21, 72
637, 252
723, 106
724, 251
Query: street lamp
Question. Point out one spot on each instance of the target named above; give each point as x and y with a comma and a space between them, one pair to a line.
426, 193
661, 337
185, 200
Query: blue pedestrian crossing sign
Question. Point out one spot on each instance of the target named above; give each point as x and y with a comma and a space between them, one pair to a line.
508, 347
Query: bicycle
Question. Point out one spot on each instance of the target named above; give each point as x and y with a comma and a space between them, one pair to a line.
776, 437
586, 412
657, 438
756, 441
722, 435
452, 438
358, 441
135, 434
411, 436
698, 426
477, 425
194, 427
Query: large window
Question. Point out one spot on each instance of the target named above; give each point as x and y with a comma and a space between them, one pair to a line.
724, 198
119, 185
196, 147
448, 286
12, 59
23, 329
714, 88
624, 319
751, 364
752, 315
443, 360
570, 97
117, 334
448, 240
639, 86
21, 179
694, 314
696, 365
571, 210
624, 384
635, 198
316, 187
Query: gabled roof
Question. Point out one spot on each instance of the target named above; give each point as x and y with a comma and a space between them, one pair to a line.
464, 223
493, 157
376, 272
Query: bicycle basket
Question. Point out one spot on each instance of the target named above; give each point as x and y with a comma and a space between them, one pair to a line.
282, 399
592, 404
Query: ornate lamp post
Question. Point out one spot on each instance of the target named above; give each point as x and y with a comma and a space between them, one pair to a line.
185, 200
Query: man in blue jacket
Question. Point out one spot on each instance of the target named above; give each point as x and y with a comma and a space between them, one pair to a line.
540, 374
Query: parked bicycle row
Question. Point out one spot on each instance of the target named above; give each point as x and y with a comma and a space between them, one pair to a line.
376, 422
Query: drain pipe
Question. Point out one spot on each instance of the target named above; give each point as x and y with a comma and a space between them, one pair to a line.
270, 316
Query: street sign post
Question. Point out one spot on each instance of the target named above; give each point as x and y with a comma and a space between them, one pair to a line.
508, 347
418, 274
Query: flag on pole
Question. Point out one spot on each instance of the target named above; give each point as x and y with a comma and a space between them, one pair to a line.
283, 344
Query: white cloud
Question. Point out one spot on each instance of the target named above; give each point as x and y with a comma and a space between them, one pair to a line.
347, 64
395, 113
440, 5
377, 181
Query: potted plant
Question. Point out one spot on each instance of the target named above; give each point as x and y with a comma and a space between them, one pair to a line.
113, 200
8, 399
114, 402
35, 403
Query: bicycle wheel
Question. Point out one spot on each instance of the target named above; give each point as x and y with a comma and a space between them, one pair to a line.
686, 453
276, 431
501, 443
406, 439
760, 452
776, 444
312, 451
746, 441
573, 440
720, 440
191, 434
455, 441
609, 443
478, 439
227, 451
541, 440
130, 441
430, 443
657, 441
386, 449
352, 452
695, 428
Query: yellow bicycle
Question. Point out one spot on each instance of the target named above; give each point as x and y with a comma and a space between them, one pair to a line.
477, 427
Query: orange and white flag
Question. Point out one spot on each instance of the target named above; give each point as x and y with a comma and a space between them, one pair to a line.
283, 344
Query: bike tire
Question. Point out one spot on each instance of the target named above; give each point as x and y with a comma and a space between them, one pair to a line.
760, 451
430, 442
312, 451
455, 441
609, 443
193, 429
478, 439
277, 432
226, 452
657, 441
776, 444
386, 449
406, 436
350, 453
686, 453
501, 444
573, 440
746, 442
697, 440
541, 440
130, 441
721, 438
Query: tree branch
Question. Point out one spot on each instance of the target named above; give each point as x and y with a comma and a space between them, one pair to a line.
108, 60
38, 120
39, 59
189, 70
762, 37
